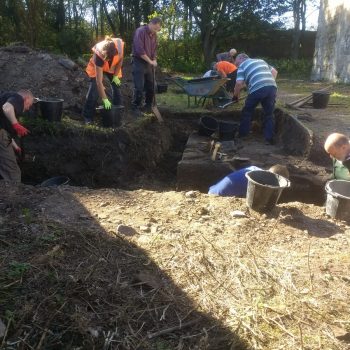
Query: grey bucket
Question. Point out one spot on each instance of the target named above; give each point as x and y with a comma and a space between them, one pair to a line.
55, 181
264, 189
338, 199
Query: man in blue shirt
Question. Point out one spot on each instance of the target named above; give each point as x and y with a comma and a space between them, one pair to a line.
260, 80
236, 183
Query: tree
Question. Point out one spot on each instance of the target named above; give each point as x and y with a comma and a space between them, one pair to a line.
216, 19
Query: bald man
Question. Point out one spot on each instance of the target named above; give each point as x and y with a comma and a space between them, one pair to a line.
12, 104
227, 56
338, 147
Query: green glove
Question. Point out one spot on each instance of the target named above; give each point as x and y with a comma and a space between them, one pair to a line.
116, 81
106, 103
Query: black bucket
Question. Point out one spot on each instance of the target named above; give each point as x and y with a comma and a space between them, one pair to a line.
111, 118
264, 189
338, 199
207, 126
320, 99
162, 87
51, 109
55, 181
227, 130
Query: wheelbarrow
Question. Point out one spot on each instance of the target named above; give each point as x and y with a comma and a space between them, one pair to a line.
209, 87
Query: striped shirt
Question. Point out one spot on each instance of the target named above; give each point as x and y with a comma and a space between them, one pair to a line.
256, 74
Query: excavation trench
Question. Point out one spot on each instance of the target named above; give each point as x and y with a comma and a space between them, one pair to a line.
171, 156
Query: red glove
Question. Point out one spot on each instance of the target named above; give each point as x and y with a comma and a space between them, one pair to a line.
20, 130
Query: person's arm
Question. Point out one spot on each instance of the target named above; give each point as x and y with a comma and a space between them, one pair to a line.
99, 82
222, 73
238, 87
274, 72
10, 114
118, 67
148, 60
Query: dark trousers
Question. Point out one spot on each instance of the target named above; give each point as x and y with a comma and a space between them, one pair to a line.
142, 73
230, 85
92, 97
267, 97
9, 169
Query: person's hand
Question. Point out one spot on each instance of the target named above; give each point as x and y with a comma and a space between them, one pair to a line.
106, 103
116, 81
20, 130
154, 63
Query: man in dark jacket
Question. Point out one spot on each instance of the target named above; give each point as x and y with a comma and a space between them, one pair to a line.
12, 104
144, 53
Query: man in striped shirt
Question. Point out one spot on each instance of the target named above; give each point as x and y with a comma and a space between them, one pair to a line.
260, 80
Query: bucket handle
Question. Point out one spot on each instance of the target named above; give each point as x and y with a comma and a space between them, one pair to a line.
286, 186
332, 193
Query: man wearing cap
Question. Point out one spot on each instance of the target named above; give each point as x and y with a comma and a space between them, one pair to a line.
107, 59
144, 53
338, 147
12, 104
260, 79
227, 56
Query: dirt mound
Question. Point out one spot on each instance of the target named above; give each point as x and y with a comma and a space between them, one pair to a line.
50, 75
46, 75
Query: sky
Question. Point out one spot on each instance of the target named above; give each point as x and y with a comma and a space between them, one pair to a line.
311, 17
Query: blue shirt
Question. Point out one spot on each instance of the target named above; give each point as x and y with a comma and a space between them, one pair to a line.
256, 74
234, 184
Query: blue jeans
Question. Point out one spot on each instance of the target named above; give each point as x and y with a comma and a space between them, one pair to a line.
267, 97
142, 73
92, 97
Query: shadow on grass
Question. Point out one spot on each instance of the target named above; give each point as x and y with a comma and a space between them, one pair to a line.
66, 283
315, 227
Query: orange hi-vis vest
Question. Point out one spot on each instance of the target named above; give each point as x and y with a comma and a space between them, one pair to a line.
97, 49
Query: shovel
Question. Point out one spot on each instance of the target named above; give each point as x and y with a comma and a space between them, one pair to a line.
155, 109
231, 102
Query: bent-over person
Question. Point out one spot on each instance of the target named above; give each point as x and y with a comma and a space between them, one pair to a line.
12, 105
338, 147
107, 59
260, 79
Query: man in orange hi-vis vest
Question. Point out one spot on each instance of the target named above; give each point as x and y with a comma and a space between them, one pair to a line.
227, 70
107, 59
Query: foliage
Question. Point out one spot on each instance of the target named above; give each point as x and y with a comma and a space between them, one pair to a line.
17, 269
293, 68
193, 30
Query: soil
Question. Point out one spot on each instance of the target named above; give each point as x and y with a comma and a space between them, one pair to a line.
152, 268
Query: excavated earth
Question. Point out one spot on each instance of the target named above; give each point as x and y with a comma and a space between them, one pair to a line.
121, 260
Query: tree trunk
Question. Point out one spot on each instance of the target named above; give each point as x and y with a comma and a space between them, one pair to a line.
332, 52
109, 19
